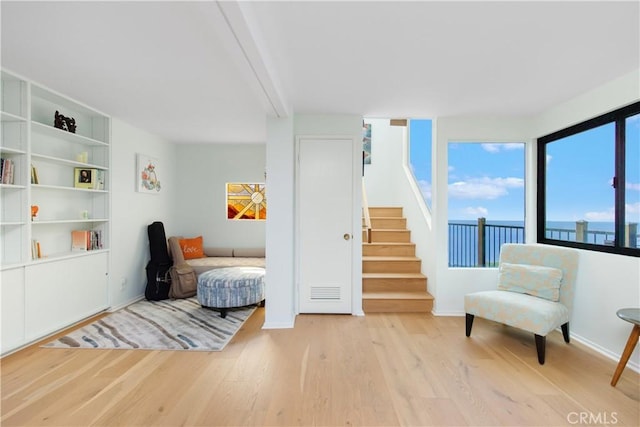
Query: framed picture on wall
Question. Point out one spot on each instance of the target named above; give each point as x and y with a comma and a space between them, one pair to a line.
246, 201
147, 174
366, 143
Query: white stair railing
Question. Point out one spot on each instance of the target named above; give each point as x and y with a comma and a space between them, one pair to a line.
365, 213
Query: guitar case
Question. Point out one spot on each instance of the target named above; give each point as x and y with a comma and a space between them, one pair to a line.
158, 277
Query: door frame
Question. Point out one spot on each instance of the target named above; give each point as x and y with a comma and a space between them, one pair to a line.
356, 226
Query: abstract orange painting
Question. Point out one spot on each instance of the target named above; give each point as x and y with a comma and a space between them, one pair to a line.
246, 201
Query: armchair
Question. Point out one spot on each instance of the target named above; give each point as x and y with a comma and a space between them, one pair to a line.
534, 293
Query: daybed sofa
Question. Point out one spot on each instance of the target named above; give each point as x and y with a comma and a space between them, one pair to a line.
209, 258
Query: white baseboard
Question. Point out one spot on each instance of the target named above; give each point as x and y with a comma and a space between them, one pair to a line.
590, 344
448, 313
603, 351
278, 325
124, 304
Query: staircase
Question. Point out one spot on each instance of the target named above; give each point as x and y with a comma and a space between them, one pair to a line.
391, 273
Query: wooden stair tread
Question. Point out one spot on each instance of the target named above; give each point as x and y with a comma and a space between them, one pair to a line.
397, 295
389, 243
386, 217
389, 258
393, 276
392, 281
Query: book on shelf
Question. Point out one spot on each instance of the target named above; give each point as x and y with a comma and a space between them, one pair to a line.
86, 240
79, 240
34, 175
36, 251
6, 171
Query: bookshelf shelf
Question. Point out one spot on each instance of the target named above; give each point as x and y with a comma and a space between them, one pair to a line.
12, 187
64, 188
12, 223
61, 256
67, 221
36, 257
51, 159
8, 117
47, 130
9, 150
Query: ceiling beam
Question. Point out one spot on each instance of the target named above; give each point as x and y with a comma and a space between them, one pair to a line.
242, 25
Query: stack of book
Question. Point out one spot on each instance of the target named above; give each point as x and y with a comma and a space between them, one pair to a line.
36, 252
6, 170
86, 240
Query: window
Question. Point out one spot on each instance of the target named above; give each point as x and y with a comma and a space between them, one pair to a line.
589, 184
632, 182
486, 201
420, 156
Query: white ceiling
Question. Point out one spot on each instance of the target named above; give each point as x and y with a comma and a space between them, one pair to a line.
212, 71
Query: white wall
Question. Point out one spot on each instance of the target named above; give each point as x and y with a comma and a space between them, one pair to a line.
382, 176
132, 212
279, 283
200, 206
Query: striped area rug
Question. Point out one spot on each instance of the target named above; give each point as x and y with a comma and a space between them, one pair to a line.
159, 325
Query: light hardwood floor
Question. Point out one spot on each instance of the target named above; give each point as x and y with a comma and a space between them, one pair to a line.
330, 370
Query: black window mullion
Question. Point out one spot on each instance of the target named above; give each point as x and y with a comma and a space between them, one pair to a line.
620, 180
541, 206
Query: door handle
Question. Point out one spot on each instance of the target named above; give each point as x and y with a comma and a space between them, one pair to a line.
346, 236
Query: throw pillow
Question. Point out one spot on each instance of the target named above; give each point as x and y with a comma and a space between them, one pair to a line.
192, 248
536, 280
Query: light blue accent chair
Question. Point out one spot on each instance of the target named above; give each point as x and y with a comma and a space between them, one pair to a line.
534, 293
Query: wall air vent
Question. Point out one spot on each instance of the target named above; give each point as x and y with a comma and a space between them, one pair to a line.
325, 292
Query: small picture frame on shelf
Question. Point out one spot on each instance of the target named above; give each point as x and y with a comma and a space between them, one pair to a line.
85, 178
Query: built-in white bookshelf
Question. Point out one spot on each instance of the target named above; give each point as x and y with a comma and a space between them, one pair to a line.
14, 146
46, 164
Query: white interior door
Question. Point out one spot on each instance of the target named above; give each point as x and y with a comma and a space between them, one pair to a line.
324, 212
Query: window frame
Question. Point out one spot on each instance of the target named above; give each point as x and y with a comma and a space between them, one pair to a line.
618, 117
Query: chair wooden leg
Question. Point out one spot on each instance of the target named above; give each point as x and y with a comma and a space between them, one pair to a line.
469, 324
565, 332
628, 349
540, 347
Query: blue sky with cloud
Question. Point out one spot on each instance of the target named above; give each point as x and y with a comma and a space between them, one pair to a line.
487, 180
580, 171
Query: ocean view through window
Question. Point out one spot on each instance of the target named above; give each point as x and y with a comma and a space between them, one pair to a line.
485, 201
589, 184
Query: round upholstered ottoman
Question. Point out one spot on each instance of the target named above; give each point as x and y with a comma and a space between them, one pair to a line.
228, 287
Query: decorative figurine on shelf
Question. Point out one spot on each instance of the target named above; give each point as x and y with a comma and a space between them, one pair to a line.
64, 123
71, 124
34, 212
58, 121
